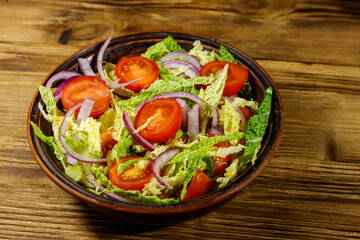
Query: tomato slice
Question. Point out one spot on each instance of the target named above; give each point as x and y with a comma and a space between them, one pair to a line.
236, 76
131, 178
219, 160
247, 113
87, 87
107, 141
161, 117
128, 69
199, 186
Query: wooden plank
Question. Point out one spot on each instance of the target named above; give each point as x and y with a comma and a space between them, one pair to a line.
310, 189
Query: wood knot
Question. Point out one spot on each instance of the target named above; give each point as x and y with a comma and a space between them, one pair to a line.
82, 33
65, 36
332, 150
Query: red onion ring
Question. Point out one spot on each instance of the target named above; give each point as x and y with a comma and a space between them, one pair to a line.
194, 121
67, 148
99, 59
215, 116
122, 94
91, 180
71, 160
181, 55
184, 108
120, 85
191, 72
138, 138
242, 116
160, 161
215, 130
58, 91
60, 75
175, 95
85, 110
85, 67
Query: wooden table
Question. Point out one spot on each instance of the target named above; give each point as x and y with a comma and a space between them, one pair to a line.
310, 190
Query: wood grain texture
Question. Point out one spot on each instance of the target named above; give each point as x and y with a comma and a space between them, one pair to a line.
310, 190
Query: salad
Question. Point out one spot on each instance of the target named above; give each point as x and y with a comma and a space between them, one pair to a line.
166, 126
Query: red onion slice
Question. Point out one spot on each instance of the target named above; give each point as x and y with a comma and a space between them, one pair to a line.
71, 160
194, 121
99, 66
191, 72
58, 91
215, 130
242, 116
122, 94
215, 116
120, 85
85, 67
60, 75
175, 95
91, 180
160, 161
68, 114
67, 148
138, 138
99, 60
85, 110
185, 108
180, 55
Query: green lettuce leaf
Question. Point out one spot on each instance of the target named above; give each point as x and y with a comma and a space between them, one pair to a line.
80, 147
109, 71
107, 119
225, 151
171, 44
160, 49
246, 91
49, 100
123, 146
76, 173
49, 140
204, 56
229, 118
125, 165
256, 128
209, 165
89, 132
225, 55
191, 171
202, 147
231, 172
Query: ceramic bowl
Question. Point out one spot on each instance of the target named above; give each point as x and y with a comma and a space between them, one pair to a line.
135, 44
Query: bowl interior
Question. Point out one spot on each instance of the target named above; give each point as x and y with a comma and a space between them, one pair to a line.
135, 44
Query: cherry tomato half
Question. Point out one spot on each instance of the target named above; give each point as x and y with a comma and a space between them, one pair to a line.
128, 69
87, 87
247, 113
107, 141
131, 178
236, 76
199, 186
219, 160
163, 117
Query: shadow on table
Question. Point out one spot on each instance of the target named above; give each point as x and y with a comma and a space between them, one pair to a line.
104, 225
